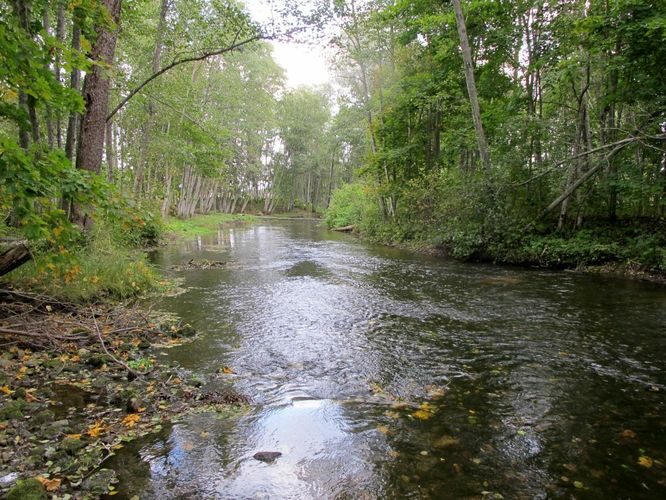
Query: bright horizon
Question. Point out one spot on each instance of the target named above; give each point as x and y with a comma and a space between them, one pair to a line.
304, 63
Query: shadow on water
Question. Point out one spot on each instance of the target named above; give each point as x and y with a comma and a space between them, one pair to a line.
379, 373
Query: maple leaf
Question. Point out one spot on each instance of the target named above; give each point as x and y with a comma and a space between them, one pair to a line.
6, 390
131, 420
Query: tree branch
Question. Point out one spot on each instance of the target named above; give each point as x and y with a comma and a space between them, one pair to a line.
557, 165
235, 45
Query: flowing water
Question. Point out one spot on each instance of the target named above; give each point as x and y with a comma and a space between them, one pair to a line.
383, 374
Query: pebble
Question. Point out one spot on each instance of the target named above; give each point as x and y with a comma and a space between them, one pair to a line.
8, 479
267, 456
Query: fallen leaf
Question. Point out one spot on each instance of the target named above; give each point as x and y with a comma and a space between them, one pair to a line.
131, 420
578, 484
73, 436
383, 429
227, 371
97, 429
645, 461
30, 398
435, 392
50, 484
424, 412
627, 434
422, 415
6, 390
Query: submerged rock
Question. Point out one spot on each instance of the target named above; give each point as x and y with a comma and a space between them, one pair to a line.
267, 456
100, 481
445, 442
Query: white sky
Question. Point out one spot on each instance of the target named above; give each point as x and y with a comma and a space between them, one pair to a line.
304, 64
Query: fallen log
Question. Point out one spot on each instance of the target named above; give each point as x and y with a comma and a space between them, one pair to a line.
344, 229
14, 257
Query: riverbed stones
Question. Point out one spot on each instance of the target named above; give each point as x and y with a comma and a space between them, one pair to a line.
267, 456
445, 442
99, 482
71, 445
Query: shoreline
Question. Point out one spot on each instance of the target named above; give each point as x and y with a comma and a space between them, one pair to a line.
77, 382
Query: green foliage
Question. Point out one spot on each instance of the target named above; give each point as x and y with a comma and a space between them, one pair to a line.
350, 205
97, 272
132, 226
203, 225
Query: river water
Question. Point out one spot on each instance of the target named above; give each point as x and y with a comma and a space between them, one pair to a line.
379, 373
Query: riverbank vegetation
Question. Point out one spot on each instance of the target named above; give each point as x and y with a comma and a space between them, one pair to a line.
524, 132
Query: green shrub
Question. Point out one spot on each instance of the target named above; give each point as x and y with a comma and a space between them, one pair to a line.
349, 204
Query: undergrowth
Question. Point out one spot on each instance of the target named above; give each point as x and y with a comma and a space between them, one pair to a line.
203, 225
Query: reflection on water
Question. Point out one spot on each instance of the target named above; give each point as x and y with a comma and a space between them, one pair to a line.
378, 373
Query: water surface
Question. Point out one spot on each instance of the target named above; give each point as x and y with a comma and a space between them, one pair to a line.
383, 374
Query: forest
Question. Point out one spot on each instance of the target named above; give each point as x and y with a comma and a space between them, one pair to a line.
522, 132
530, 133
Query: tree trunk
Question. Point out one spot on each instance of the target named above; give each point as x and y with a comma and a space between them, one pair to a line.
75, 84
96, 97
471, 87
111, 160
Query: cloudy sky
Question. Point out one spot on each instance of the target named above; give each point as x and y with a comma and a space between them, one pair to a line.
305, 64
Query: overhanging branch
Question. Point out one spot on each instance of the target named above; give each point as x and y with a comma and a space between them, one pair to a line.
205, 55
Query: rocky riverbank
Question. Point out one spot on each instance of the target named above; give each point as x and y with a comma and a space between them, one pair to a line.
76, 384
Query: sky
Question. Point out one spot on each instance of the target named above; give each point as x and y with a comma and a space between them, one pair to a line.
304, 64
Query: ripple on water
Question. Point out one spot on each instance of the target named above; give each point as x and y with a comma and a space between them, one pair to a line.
378, 373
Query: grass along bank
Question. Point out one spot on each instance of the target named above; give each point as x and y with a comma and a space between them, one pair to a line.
203, 225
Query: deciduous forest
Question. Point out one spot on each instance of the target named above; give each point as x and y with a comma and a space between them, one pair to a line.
529, 133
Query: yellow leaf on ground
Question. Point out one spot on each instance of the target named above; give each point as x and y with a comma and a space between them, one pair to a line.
50, 484
645, 461
131, 420
73, 436
97, 429
383, 429
227, 371
5, 389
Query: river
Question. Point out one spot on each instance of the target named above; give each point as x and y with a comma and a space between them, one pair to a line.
379, 373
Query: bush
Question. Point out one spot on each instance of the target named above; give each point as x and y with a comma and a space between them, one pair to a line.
132, 226
349, 205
